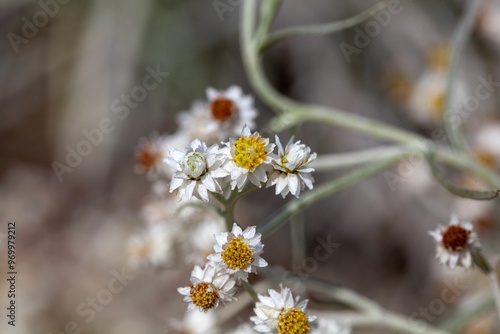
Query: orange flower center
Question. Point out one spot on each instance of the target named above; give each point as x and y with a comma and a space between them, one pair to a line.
222, 109
455, 238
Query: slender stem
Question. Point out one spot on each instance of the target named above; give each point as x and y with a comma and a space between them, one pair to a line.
250, 290
295, 206
320, 29
372, 313
493, 278
460, 38
293, 113
298, 238
328, 162
458, 322
268, 11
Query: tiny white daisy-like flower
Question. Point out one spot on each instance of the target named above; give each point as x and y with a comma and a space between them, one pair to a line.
239, 251
155, 246
454, 243
196, 170
231, 109
209, 287
249, 159
281, 313
149, 155
243, 329
427, 100
194, 322
330, 326
291, 174
487, 149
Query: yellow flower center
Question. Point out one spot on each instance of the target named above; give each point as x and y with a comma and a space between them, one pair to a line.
237, 254
249, 152
455, 238
222, 109
294, 321
204, 295
437, 105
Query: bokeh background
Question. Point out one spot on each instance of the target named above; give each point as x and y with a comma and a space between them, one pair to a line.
72, 233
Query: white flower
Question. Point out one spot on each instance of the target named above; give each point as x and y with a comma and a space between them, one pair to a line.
149, 155
330, 326
154, 246
194, 322
281, 313
239, 251
291, 174
209, 286
201, 238
222, 116
249, 159
454, 242
231, 109
427, 100
197, 169
243, 329
486, 144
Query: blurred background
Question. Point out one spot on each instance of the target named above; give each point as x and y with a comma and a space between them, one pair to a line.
64, 64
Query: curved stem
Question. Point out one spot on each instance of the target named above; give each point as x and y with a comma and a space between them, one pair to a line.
250, 290
321, 192
320, 29
293, 113
460, 38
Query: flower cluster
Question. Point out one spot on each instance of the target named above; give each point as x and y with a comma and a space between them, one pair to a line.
248, 159
237, 253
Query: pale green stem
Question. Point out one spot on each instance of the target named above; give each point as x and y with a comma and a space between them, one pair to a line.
320, 29
328, 162
230, 203
308, 198
267, 13
372, 313
250, 290
298, 238
297, 112
460, 38
493, 278
459, 321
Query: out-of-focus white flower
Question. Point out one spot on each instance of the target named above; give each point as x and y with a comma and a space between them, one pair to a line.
239, 251
427, 101
197, 169
487, 146
154, 246
149, 155
489, 21
454, 242
209, 287
194, 322
201, 239
222, 116
281, 313
329, 326
249, 159
231, 109
291, 174
243, 329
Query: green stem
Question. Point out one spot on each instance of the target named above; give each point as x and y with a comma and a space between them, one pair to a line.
308, 198
372, 313
458, 322
460, 38
320, 29
293, 113
268, 11
250, 290
298, 238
